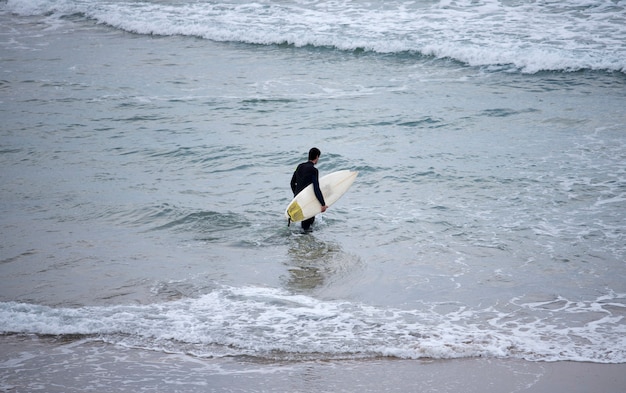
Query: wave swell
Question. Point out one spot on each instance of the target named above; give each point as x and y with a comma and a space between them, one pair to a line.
512, 35
272, 323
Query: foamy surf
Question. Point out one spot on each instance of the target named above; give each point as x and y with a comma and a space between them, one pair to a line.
517, 36
275, 324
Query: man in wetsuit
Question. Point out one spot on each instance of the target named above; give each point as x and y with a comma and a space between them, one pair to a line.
306, 174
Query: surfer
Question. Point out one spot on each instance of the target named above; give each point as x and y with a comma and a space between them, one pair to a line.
306, 174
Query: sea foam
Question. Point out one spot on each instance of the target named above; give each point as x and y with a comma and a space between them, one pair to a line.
273, 323
527, 37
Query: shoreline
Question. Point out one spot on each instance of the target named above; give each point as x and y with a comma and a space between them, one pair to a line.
85, 366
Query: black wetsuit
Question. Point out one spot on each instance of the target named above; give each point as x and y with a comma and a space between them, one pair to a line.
306, 174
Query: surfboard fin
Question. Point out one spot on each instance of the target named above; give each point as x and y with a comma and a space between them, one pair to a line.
289, 221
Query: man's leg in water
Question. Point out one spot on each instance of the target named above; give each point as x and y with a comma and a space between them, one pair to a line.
306, 224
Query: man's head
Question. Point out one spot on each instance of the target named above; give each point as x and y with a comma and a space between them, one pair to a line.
314, 154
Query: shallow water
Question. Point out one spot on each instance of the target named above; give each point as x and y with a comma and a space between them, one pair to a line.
145, 178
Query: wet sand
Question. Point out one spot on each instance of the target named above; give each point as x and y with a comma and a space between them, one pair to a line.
450, 376
62, 365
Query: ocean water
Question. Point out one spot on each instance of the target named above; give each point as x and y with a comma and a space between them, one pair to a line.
146, 150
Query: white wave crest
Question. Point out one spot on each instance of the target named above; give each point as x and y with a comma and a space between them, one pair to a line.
272, 323
530, 37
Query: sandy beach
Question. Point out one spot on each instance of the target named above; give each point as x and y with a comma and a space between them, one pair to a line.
444, 376
53, 365
465, 376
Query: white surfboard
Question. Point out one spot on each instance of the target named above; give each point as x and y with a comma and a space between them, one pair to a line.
333, 186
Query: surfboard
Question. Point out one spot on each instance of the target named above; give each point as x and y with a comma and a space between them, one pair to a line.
333, 186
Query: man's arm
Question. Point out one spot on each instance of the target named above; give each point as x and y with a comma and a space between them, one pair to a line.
318, 192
